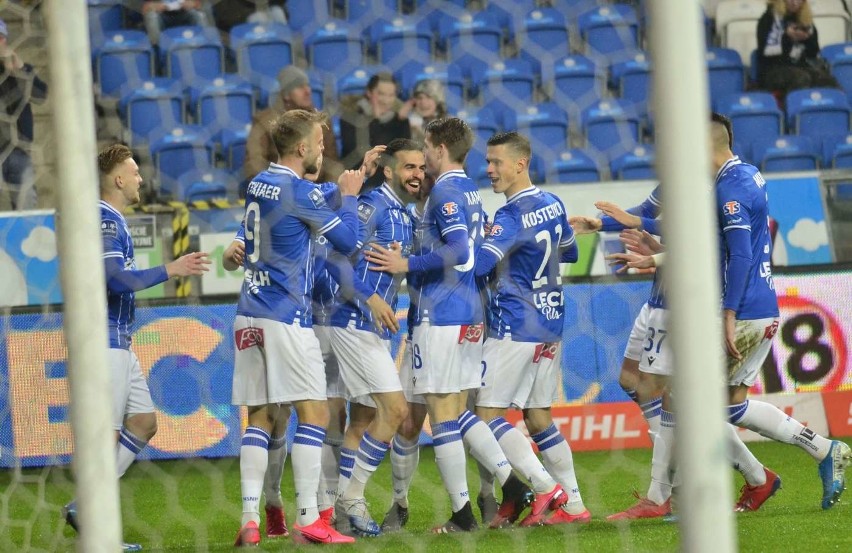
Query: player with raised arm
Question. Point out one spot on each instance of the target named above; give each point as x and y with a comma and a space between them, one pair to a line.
134, 419
528, 239
448, 321
750, 309
278, 358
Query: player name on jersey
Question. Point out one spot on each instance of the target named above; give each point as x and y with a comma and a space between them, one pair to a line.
263, 190
473, 198
541, 215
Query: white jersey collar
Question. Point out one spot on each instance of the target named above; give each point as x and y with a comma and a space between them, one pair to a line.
728, 164
451, 173
106, 205
281, 169
522, 194
388, 191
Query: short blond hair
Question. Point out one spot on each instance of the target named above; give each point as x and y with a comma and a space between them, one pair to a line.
804, 17
294, 127
111, 157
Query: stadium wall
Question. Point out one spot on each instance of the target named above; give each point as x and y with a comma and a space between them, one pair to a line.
187, 353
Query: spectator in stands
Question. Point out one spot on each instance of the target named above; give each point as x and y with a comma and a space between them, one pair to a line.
429, 103
372, 120
788, 48
164, 14
19, 86
295, 93
230, 13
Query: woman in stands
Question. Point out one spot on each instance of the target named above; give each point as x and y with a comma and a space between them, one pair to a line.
788, 49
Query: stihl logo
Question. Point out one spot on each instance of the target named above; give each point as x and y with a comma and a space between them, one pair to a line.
548, 351
471, 333
248, 337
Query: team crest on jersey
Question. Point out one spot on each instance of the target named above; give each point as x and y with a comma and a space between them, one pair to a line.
365, 211
732, 208
450, 208
316, 197
496, 230
109, 229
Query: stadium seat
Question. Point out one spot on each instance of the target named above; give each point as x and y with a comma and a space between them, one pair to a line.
205, 184
234, 149
841, 153
357, 10
153, 105
476, 167
309, 15
725, 72
831, 18
574, 166
402, 37
610, 127
124, 57
544, 36
609, 30
818, 112
474, 34
576, 81
355, 81
538, 168
786, 153
222, 103
637, 164
509, 14
190, 53
482, 121
333, 48
546, 124
510, 80
449, 74
632, 80
105, 17
263, 49
176, 152
754, 115
839, 57
736, 24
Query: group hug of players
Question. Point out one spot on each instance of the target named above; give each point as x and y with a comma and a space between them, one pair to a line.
323, 264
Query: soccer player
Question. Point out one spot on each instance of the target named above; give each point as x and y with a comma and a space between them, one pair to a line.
448, 321
750, 310
521, 366
360, 342
278, 358
134, 420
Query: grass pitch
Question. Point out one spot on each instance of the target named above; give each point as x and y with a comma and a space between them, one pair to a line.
194, 505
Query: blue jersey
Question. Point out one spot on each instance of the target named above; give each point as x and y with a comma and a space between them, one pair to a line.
325, 287
743, 205
122, 276
526, 295
384, 220
413, 279
282, 213
450, 295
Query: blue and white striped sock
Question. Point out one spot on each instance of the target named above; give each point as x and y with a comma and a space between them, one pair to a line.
126, 451
519, 452
405, 456
370, 454
449, 455
484, 447
254, 457
307, 465
559, 462
662, 460
275, 470
347, 465
651, 411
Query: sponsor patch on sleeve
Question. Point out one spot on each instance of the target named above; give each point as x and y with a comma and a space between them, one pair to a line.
317, 198
450, 208
731, 208
365, 211
496, 230
109, 229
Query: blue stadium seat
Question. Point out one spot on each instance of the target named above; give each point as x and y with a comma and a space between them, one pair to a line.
151, 106
611, 127
637, 164
355, 81
190, 53
482, 121
632, 80
609, 30
475, 34
839, 57
180, 150
357, 10
544, 36
574, 165
476, 167
538, 168
546, 124
223, 103
510, 80
307, 15
754, 115
124, 57
818, 112
725, 72
576, 81
234, 149
334, 47
509, 14
205, 184
786, 153
105, 17
263, 49
449, 74
404, 37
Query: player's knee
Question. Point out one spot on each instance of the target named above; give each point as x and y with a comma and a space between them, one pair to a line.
397, 413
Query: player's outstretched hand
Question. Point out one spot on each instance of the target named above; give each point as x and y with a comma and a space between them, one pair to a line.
730, 321
383, 314
612, 210
640, 242
191, 264
388, 260
630, 261
350, 182
584, 225
371, 160
234, 255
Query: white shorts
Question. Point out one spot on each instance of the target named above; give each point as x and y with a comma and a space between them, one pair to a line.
366, 364
130, 394
275, 362
333, 384
523, 374
406, 374
637, 335
656, 351
446, 359
754, 341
